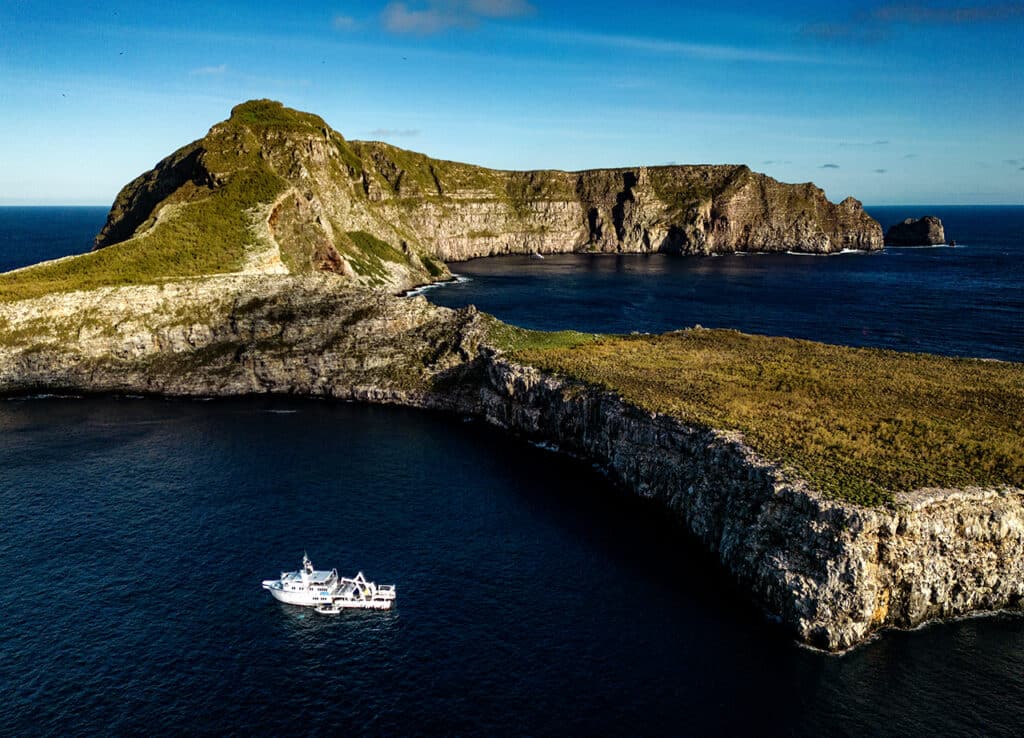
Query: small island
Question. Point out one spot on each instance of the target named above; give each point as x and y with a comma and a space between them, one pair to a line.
848, 490
926, 231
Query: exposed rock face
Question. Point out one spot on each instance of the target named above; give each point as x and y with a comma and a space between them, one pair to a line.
232, 335
831, 572
689, 210
926, 231
320, 192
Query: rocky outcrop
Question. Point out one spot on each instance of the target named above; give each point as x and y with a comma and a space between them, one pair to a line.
926, 231
683, 210
236, 335
385, 217
831, 572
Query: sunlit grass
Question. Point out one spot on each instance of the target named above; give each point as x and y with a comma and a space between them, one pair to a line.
206, 235
859, 424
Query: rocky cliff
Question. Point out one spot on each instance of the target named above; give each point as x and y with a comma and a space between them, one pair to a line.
831, 572
236, 335
385, 217
926, 231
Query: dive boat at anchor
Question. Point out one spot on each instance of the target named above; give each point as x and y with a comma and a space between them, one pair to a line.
327, 592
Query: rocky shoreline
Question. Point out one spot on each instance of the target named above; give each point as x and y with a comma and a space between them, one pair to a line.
832, 573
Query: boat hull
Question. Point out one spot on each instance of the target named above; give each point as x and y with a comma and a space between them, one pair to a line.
303, 599
340, 605
328, 593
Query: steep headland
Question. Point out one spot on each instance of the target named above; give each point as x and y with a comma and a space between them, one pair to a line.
275, 190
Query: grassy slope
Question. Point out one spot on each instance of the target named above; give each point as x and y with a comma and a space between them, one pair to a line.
207, 234
859, 424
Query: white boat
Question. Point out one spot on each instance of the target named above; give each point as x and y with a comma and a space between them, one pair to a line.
328, 592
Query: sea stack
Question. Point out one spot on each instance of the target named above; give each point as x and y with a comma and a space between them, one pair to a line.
926, 231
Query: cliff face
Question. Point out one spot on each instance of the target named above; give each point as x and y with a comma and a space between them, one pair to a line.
385, 217
238, 334
831, 572
690, 210
926, 231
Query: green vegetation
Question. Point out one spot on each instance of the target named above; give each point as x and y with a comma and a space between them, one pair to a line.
685, 190
258, 114
858, 424
525, 188
367, 255
410, 173
434, 267
370, 244
206, 235
416, 178
522, 342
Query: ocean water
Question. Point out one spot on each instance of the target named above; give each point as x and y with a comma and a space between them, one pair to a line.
29, 235
967, 301
533, 599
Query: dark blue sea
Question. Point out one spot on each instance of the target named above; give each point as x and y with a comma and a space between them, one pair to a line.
966, 301
533, 599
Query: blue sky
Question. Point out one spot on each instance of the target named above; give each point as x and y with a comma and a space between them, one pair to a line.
892, 103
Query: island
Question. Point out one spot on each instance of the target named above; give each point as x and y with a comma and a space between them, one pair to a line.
926, 231
847, 490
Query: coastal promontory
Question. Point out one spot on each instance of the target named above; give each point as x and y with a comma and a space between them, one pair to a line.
306, 199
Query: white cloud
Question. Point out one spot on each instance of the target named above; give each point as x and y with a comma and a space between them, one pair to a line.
713, 52
439, 15
210, 71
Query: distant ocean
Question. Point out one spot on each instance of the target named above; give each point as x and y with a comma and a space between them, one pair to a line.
967, 301
32, 234
532, 598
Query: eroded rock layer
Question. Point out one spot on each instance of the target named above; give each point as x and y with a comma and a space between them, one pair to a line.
831, 572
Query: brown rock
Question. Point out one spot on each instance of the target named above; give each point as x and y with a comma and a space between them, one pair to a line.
926, 231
